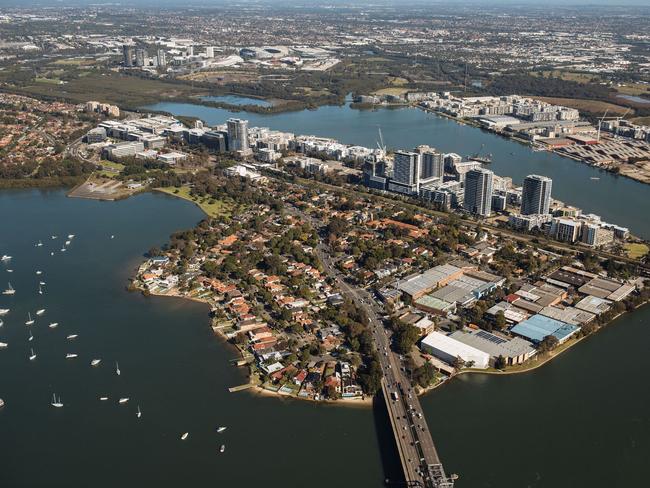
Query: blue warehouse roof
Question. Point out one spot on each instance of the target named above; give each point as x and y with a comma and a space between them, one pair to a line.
538, 326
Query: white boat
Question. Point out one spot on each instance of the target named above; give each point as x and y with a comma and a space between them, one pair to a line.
40, 290
32, 355
95, 362
70, 236
39, 244
10, 271
103, 399
139, 414
63, 249
112, 236
221, 429
10, 290
30, 320
117, 369
72, 337
5, 258
67, 243
594, 178
39, 272
184, 436
3, 345
52, 253
222, 448
2, 403
71, 355
40, 311
56, 402
31, 337
123, 400
2, 322
53, 325
42, 283
4, 311
53, 237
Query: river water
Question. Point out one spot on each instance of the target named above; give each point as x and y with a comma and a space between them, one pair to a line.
171, 365
583, 420
617, 199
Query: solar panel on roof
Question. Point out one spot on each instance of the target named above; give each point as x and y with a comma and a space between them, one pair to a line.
490, 337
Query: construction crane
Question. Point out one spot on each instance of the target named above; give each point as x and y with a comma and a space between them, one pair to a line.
604, 118
380, 143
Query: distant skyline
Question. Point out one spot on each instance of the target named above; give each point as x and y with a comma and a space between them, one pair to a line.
320, 3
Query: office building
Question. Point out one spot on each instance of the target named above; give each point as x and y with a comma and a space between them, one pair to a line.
209, 52
478, 192
162, 59
406, 172
565, 230
127, 51
431, 164
536, 195
596, 235
140, 55
237, 135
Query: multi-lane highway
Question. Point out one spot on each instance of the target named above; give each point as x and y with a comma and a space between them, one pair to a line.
418, 455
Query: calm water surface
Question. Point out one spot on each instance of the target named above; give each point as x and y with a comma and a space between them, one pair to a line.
172, 367
583, 420
616, 199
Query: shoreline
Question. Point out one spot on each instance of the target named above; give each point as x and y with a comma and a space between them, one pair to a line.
547, 359
532, 146
364, 402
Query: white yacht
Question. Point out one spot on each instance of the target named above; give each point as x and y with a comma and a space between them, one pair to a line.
40, 311
123, 400
72, 337
3, 345
5, 258
10, 271
39, 272
117, 369
4, 311
2, 322
63, 249
53, 325
139, 414
67, 243
221, 429
70, 236
30, 320
95, 362
40, 290
56, 402
71, 355
10, 290
31, 337
184, 436
32, 355
53, 237
42, 283
39, 244
2, 403
103, 399
222, 448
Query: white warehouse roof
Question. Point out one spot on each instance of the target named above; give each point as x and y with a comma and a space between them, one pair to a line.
448, 349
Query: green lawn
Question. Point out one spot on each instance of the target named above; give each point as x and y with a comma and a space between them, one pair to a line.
636, 250
216, 209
